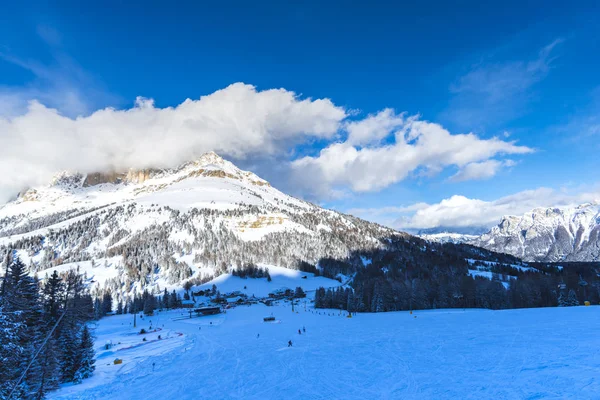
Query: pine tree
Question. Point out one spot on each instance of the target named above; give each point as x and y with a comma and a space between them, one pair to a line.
377, 304
572, 300
98, 311
85, 356
10, 350
27, 330
106, 303
48, 369
562, 299
319, 295
53, 296
22, 299
165, 299
120, 308
69, 344
149, 305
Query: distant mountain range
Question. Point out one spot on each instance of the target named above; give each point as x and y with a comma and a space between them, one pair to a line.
543, 234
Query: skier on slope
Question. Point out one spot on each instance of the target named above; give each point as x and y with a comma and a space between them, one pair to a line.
299, 332
290, 343
304, 329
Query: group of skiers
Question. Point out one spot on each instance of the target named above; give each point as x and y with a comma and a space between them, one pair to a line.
299, 333
289, 341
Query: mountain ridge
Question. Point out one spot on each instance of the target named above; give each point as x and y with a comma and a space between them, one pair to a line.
544, 234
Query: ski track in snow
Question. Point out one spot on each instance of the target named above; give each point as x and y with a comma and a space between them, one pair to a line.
457, 354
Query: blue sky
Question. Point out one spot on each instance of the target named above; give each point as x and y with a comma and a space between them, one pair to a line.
523, 72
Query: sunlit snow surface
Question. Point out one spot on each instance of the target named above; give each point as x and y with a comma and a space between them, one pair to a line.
550, 353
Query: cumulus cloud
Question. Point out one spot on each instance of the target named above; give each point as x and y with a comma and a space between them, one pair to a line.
416, 145
237, 121
463, 212
374, 128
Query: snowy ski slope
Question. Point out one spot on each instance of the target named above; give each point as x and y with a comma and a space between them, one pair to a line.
549, 353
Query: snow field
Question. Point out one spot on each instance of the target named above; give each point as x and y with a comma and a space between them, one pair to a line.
281, 278
437, 354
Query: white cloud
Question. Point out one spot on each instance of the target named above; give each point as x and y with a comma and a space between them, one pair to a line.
480, 170
417, 145
237, 121
463, 212
497, 91
374, 128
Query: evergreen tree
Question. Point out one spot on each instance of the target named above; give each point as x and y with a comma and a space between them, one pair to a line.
27, 337
572, 300
377, 304
53, 296
166, 299
22, 300
562, 299
85, 356
106, 303
299, 293
69, 344
98, 310
47, 369
11, 350
149, 305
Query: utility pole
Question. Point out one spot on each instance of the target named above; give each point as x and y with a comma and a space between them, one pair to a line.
134, 310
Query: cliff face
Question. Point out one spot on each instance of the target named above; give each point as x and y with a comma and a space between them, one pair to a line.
131, 176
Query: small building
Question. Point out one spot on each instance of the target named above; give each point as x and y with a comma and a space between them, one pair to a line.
188, 304
208, 310
235, 299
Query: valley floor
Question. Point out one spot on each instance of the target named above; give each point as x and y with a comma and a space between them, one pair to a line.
551, 353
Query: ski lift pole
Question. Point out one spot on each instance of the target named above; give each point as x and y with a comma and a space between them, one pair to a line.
134, 309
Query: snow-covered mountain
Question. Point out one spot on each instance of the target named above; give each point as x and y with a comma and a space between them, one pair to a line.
448, 237
155, 228
548, 234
